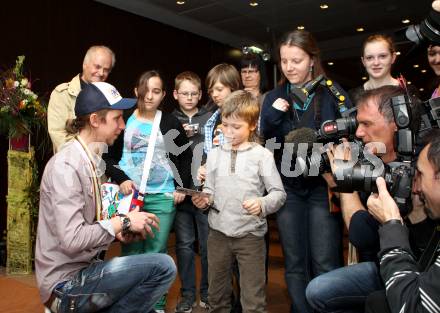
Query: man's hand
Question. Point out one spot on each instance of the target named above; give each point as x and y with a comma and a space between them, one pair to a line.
253, 206
436, 5
338, 152
126, 187
143, 222
382, 205
128, 237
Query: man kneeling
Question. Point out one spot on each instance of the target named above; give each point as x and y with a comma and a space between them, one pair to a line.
70, 276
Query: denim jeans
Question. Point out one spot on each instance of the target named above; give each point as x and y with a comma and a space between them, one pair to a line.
344, 289
311, 241
122, 284
186, 224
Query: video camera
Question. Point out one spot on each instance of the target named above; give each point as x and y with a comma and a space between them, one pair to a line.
361, 173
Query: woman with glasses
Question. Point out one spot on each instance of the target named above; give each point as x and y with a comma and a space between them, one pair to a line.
253, 75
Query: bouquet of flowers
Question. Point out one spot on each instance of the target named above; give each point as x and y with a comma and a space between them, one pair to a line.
21, 111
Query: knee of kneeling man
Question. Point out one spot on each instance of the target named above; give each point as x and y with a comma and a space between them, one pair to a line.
314, 292
167, 263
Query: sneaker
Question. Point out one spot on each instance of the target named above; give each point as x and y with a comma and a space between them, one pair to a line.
204, 302
159, 311
185, 305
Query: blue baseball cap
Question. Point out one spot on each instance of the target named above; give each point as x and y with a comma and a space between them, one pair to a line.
98, 96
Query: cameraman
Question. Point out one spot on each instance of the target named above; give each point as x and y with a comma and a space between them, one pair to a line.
345, 289
409, 287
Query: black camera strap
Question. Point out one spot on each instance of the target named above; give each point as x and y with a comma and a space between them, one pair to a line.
430, 253
314, 107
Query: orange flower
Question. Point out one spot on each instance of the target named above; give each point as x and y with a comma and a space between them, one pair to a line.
9, 83
22, 105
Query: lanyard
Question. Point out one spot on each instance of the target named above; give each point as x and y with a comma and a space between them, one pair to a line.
306, 103
95, 180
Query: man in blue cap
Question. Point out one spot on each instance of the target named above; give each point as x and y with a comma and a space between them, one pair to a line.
70, 235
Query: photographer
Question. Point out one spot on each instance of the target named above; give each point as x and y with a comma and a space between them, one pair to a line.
345, 289
409, 286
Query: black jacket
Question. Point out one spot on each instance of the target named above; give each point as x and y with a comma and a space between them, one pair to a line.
409, 289
277, 124
181, 161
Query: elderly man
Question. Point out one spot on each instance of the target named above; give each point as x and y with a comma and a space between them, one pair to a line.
97, 64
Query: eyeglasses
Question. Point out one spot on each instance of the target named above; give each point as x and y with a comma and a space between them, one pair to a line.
249, 72
189, 94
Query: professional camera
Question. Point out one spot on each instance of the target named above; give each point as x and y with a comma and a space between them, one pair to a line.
362, 175
361, 172
425, 33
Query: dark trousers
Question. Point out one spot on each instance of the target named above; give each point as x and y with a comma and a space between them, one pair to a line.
377, 303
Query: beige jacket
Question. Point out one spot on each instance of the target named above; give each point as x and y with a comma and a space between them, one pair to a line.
68, 236
61, 108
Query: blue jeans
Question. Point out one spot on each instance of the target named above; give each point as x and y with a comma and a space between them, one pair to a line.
185, 225
311, 241
124, 284
344, 289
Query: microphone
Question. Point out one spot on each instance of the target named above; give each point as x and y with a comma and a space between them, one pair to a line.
297, 137
301, 135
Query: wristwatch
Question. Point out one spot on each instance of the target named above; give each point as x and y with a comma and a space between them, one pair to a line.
125, 223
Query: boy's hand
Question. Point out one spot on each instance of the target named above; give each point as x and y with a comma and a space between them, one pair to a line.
253, 206
201, 173
200, 202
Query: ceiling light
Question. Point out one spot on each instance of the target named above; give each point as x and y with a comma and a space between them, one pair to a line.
180, 2
364, 77
330, 63
252, 49
421, 89
406, 21
253, 3
408, 82
397, 52
265, 56
323, 6
415, 65
300, 27
360, 29
423, 71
